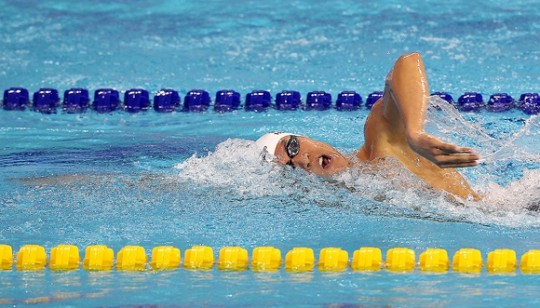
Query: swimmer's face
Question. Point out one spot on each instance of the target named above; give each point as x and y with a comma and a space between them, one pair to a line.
311, 155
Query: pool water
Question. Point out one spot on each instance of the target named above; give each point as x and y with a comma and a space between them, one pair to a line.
184, 179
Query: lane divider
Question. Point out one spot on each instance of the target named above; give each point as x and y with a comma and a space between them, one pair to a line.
106, 100
267, 259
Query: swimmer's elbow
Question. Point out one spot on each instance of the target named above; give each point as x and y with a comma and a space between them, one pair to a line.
406, 67
412, 56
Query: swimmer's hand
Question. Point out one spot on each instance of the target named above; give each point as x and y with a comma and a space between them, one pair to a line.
444, 155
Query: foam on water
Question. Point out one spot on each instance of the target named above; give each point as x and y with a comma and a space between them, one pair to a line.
237, 167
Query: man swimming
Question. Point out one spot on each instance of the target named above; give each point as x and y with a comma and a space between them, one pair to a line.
393, 129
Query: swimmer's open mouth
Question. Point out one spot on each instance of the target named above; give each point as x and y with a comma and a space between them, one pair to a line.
324, 161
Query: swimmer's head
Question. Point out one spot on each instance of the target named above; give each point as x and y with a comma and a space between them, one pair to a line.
270, 141
303, 152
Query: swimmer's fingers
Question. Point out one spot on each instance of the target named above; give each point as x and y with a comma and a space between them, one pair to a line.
458, 153
443, 154
456, 160
460, 165
449, 148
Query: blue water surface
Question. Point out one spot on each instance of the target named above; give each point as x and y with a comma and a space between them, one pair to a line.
185, 179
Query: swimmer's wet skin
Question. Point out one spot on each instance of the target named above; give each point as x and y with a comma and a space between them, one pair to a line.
394, 128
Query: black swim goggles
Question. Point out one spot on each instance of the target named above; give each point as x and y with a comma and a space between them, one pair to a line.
292, 147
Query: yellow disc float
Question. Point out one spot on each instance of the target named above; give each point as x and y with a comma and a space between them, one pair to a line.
233, 259
64, 258
333, 259
6, 257
199, 257
434, 260
467, 260
266, 258
165, 258
400, 259
300, 259
502, 261
31, 257
367, 259
131, 258
530, 262
98, 258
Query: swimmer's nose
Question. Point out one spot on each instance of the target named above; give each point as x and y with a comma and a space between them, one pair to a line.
302, 161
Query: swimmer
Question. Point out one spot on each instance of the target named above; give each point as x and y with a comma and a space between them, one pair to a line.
393, 129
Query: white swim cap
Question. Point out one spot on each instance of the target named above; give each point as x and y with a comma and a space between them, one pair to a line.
270, 141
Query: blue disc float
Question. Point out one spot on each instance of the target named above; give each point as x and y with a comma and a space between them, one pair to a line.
470, 101
136, 100
197, 100
500, 102
106, 100
530, 103
318, 100
258, 100
445, 96
166, 100
348, 101
288, 100
76, 100
373, 98
16, 99
227, 100
45, 100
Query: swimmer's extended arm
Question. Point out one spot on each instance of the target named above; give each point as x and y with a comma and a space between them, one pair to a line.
408, 89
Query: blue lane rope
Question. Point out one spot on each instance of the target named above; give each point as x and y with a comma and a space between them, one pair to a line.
75, 100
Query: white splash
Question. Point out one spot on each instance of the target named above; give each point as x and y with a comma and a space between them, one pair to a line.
237, 167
